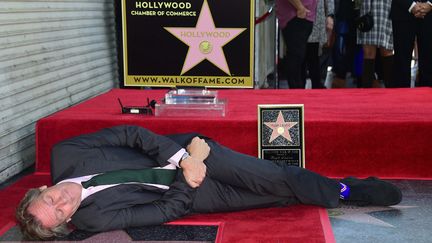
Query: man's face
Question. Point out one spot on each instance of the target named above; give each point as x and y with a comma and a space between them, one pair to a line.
56, 204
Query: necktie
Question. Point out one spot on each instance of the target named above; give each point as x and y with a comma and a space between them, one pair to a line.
151, 176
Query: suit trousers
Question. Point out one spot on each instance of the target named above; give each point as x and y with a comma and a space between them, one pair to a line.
237, 181
405, 32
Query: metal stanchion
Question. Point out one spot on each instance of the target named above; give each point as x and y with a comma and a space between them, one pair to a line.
261, 19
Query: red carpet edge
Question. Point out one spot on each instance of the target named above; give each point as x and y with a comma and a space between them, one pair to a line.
326, 226
7, 227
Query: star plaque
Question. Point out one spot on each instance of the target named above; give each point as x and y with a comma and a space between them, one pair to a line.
189, 43
281, 134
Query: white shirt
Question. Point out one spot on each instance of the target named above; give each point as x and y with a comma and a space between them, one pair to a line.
86, 192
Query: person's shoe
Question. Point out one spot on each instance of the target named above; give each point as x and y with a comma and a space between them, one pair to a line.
318, 86
376, 83
372, 191
338, 83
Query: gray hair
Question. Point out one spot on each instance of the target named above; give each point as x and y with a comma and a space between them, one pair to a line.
31, 227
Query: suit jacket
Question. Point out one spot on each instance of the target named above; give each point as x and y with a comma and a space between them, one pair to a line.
399, 9
123, 147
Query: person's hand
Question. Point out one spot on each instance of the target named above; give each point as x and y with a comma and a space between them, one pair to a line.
198, 148
421, 9
302, 12
416, 10
194, 171
425, 8
329, 24
329, 31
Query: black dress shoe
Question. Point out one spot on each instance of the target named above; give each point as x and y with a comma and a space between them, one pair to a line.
372, 191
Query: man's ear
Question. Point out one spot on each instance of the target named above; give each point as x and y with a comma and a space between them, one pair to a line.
43, 187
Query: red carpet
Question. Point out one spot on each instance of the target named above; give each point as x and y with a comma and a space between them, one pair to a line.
10, 197
381, 132
288, 224
359, 132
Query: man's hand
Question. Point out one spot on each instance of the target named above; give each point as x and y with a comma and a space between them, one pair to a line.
194, 169
425, 8
420, 10
198, 148
416, 10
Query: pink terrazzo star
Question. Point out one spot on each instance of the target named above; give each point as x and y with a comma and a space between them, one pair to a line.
280, 128
205, 41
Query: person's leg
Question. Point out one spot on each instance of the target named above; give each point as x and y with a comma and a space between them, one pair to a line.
403, 42
325, 61
214, 196
305, 68
339, 52
267, 178
264, 177
425, 51
344, 52
368, 74
313, 61
387, 67
295, 36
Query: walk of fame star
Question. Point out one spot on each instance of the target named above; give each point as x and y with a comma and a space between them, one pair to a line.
205, 41
280, 128
361, 214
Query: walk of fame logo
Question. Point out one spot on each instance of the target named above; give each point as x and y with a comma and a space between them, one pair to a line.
205, 41
205, 47
365, 215
202, 43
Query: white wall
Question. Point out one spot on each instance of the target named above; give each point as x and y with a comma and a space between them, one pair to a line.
53, 54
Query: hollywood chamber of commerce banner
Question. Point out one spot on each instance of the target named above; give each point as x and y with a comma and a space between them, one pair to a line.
190, 43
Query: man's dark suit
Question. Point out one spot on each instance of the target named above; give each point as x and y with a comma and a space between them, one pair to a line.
406, 28
233, 182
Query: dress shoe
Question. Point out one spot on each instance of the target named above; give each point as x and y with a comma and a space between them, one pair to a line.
372, 191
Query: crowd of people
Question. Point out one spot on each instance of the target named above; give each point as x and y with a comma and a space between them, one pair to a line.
314, 30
